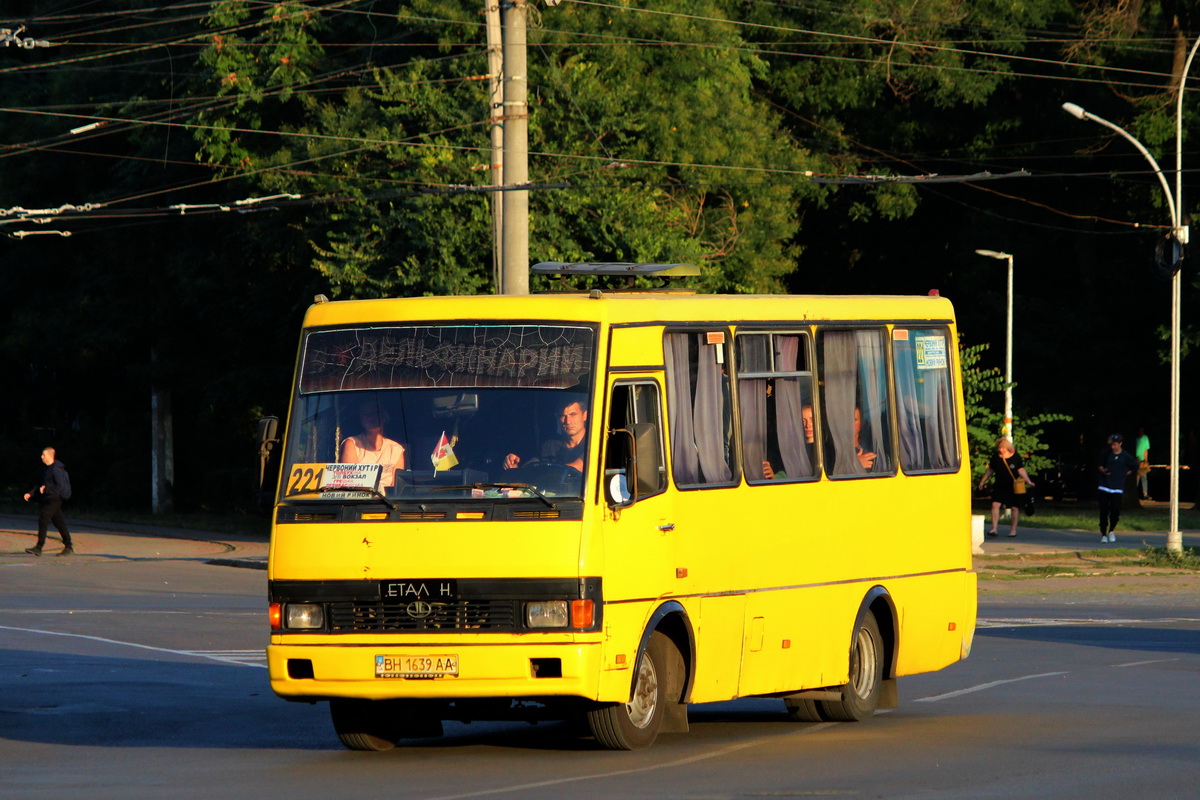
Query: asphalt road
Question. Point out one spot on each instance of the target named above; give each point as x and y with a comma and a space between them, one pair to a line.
136, 671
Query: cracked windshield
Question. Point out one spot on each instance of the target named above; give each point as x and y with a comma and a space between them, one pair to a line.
441, 413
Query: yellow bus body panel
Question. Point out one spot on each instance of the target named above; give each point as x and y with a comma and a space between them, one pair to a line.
769, 578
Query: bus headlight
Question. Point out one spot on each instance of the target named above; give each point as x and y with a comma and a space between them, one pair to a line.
546, 614
305, 616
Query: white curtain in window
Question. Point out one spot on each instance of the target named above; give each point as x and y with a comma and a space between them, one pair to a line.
839, 398
752, 402
873, 397
790, 400
685, 462
711, 419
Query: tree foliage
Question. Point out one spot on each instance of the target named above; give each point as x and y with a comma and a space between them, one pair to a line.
702, 132
985, 424
668, 153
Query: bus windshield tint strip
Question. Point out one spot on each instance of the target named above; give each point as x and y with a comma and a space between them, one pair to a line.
539, 356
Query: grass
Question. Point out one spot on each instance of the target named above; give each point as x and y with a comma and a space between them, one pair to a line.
1083, 516
1116, 561
1189, 559
1047, 571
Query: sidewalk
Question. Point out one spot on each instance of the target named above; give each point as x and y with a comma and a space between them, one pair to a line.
136, 542
97, 541
1044, 540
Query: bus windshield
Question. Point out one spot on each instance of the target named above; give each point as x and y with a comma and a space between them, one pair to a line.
435, 413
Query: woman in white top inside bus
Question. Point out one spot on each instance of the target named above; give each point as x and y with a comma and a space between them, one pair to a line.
372, 447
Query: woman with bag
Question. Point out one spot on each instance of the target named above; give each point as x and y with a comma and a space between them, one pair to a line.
1010, 484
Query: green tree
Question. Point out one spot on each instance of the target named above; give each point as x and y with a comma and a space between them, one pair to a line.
985, 424
653, 123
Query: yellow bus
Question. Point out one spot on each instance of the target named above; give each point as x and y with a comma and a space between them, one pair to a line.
607, 505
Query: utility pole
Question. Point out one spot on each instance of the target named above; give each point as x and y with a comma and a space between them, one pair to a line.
162, 447
515, 247
495, 60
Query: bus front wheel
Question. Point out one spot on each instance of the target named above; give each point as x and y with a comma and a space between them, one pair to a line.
362, 725
635, 725
379, 724
860, 694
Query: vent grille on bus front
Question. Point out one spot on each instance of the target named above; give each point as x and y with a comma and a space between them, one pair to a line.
463, 615
300, 516
410, 515
549, 513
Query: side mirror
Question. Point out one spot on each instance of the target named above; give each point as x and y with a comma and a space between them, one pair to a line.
268, 460
647, 457
633, 472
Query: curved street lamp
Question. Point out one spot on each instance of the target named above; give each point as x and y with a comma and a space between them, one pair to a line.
1008, 351
1180, 233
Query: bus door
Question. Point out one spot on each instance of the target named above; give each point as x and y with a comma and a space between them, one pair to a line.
639, 522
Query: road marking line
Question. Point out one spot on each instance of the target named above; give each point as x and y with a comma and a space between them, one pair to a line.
1017, 622
982, 686
134, 611
247, 658
1140, 663
617, 773
192, 653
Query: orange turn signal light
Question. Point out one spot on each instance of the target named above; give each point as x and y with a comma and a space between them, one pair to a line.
276, 616
583, 613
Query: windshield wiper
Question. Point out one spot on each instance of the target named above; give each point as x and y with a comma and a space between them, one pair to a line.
526, 486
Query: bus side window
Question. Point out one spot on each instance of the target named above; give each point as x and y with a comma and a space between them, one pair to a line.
698, 397
855, 403
635, 431
775, 404
927, 423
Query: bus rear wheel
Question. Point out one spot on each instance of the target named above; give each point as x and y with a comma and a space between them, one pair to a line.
860, 694
635, 725
803, 710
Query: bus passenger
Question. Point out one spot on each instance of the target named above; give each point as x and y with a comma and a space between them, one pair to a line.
570, 447
372, 447
866, 459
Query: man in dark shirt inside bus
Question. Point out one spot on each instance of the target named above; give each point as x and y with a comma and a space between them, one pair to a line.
569, 448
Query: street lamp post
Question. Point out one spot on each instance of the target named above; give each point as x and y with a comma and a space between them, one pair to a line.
1008, 348
1180, 233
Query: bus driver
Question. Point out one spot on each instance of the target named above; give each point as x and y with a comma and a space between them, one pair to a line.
570, 447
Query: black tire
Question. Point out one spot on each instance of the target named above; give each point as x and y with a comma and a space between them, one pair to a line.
860, 695
363, 725
635, 725
804, 710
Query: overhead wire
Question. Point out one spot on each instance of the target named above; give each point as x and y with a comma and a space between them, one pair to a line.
608, 157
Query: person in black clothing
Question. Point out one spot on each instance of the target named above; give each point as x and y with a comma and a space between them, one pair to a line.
1115, 467
1007, 466
570, 448
50, 494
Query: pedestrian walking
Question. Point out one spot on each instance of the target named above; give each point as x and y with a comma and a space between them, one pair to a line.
1008, 468
1141, 449
1115, 467
50, 494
